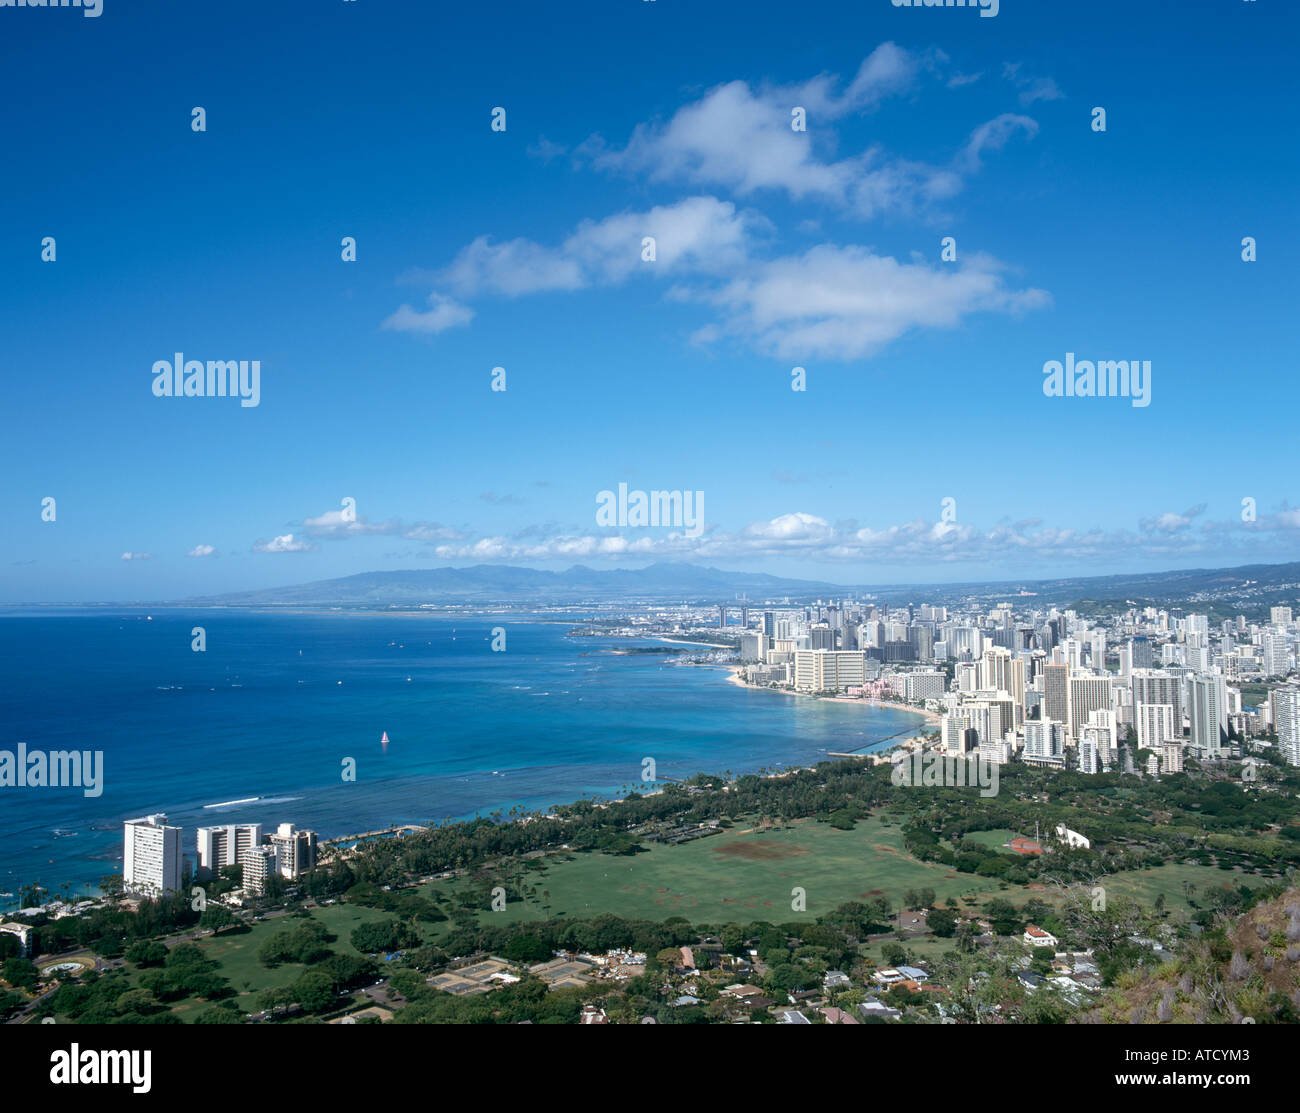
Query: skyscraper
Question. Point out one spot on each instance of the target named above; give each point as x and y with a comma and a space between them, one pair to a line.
1286, 704
1142, 654
1087, 694
1208, 712
151, 856
220, 847
1056, 693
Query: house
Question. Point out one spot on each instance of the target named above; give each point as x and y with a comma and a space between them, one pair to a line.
888, 976
873, 1009
592, 1015
793, 1016
837, 1016
1030, 980
741, 992
1036, 937
913, 973
836, 979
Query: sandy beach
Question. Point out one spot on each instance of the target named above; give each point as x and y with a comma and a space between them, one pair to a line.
932, 718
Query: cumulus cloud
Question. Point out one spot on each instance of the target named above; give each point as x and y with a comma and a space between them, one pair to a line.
811, 537
1170, 522
846, 302
202, 551
698, 234
286, 543
443, 313
137, 556
740, 138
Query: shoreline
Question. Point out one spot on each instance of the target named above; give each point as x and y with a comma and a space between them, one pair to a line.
924, 713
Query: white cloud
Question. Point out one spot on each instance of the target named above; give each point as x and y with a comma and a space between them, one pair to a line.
443, 313
137, 556
740, 138
993, 136
811, 537
202, 551
846, 302
699, 234
1031, 88
286, 543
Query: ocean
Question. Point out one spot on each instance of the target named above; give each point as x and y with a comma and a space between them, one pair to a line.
257, 727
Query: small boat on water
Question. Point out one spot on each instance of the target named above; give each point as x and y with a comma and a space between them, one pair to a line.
384, 740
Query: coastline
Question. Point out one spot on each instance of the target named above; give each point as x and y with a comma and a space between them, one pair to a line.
932, 718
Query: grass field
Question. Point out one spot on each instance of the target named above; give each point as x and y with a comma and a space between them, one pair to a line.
743, 875
746, 874
236, 953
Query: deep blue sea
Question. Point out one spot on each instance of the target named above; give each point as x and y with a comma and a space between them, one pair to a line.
277, 701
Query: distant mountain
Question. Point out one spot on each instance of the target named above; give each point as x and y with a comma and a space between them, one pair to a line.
503, 584
1249, 590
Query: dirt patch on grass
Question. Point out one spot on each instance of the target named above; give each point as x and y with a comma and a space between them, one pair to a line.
761, 851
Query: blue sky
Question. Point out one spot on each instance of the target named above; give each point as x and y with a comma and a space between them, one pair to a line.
522, 249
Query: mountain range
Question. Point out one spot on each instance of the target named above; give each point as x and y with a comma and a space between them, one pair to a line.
1246, 589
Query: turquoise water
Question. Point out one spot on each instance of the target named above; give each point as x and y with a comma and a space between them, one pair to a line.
278, 701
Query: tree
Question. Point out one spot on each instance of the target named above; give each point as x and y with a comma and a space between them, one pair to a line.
215, 917
147, 952
314, 991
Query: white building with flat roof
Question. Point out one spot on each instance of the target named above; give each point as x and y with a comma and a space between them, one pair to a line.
151, 856
220, 847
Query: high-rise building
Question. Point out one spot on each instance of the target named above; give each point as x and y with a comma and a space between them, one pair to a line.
924, 684
1286, 720
220, 847
828, 670
1056, 693
258, 863
1141, 653
1280, 616
1154, 686
151, 856
295, 850
1044, 742
1155, 725
1208, 713
1087, 694
769, 624
957, 735
1276, 654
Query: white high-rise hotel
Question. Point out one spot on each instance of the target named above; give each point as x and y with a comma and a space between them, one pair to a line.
1286, 703
151, 856
220, 847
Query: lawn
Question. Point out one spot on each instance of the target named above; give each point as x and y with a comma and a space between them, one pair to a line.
740, 875
236, 953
